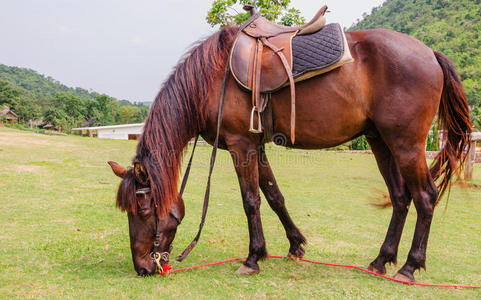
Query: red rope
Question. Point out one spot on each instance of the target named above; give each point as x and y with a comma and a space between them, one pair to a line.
332, 265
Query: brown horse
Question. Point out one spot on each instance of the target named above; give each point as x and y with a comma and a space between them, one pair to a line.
390, 94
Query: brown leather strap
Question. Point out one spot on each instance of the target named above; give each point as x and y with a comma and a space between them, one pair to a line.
248, 22
256, 72
187, 170
287, 67
256, 92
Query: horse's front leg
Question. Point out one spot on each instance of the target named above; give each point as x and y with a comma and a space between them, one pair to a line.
245, 157
274, 197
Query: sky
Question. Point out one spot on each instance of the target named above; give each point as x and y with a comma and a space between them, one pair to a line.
125, 49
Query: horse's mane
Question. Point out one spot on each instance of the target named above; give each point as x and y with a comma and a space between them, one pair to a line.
178, 114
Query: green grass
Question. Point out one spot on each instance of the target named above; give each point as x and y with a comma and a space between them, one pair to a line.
61, 235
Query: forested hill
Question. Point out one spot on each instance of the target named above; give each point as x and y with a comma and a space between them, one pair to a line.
38, 84
42, 99
452, 27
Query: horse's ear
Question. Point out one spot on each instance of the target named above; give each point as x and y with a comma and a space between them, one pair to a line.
117, 169
140, 173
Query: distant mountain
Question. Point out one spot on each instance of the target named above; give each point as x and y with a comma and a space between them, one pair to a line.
452, 27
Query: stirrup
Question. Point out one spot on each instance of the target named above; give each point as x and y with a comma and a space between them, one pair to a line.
259, 124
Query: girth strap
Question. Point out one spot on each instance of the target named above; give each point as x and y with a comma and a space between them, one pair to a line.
191, 246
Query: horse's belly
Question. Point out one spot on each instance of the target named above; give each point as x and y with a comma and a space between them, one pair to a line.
311, 134
327, 113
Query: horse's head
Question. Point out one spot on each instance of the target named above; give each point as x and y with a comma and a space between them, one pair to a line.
151, 235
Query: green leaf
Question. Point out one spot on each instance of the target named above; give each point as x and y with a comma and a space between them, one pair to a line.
230, 12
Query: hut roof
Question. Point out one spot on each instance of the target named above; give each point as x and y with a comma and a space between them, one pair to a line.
6, 111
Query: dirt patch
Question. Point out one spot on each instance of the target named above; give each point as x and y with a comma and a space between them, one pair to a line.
46, 163
29, 168
15, 138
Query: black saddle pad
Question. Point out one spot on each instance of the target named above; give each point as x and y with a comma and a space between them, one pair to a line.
317, 50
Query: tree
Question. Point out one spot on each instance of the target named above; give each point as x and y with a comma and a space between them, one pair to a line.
54, 116
92, 114
26, 109
128, 114
476, 116
225, 12
144, 112
69, 103
108, 108
10, 94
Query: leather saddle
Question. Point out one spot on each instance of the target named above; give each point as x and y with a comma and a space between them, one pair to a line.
261, 60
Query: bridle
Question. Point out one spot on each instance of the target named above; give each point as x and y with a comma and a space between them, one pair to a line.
157, 256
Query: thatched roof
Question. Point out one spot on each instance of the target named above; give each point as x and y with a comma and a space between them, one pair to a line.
6, 111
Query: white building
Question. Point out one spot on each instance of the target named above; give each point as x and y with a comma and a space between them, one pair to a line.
116, 132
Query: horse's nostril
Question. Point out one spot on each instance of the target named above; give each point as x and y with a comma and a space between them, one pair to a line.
144, 266
144, 272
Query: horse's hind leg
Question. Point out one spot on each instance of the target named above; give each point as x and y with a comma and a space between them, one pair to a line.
271, 191
418, 178
408, 148
400, 198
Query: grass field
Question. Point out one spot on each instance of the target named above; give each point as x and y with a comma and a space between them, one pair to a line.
61, 235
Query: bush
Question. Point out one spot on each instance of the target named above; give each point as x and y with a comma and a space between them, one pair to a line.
360, 144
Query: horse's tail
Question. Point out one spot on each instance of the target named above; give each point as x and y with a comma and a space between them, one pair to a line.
455, 121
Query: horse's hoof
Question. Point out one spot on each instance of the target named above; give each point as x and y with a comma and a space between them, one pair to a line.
245, 270
375, 270
298, 253
403, 277
290, 255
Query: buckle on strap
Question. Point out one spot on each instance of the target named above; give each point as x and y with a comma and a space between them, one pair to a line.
157, 258
259, 123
